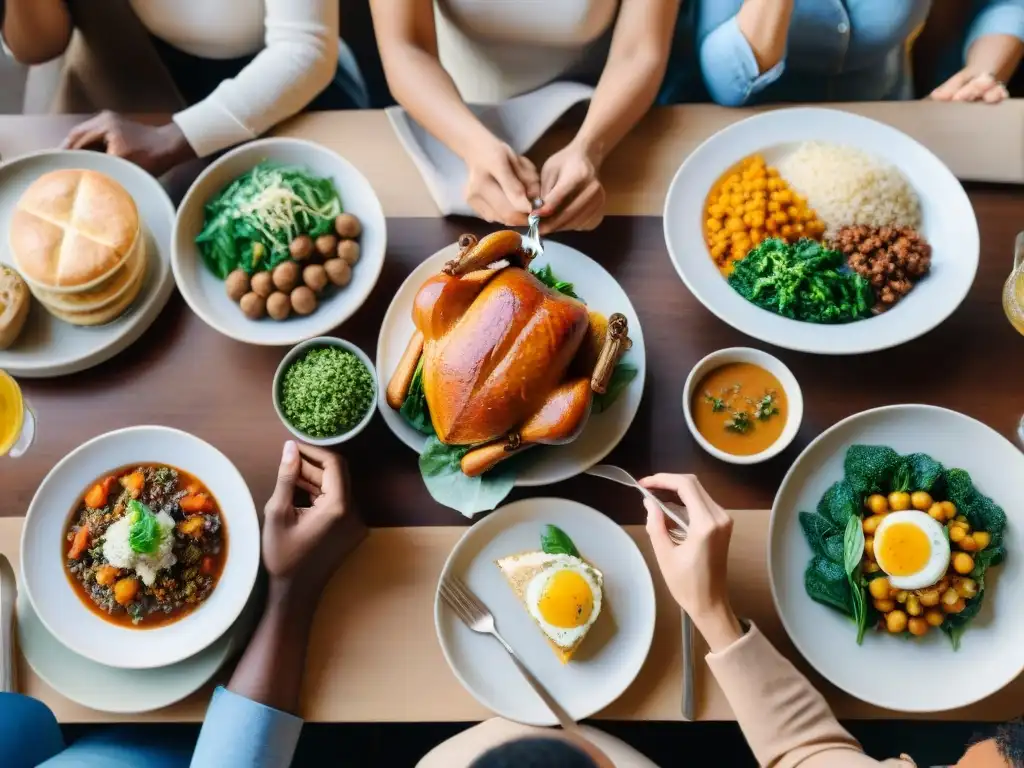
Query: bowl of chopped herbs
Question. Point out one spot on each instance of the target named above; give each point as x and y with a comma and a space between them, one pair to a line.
325, 391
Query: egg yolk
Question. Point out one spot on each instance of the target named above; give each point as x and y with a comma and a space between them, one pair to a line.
567, 600
904, 549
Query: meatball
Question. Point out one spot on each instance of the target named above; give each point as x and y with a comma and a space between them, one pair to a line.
253, 305
348, 251
303, 300
326, 245
338, 272
315, 276
237, 285
347, 225
301, 248
286, 276
262, 284
279, 306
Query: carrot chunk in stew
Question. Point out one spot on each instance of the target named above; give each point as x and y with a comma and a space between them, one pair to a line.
195, 503
80, 543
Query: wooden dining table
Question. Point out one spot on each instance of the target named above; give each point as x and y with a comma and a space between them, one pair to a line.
184, 374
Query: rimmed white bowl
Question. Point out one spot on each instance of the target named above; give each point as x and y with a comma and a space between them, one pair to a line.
205, 292
991, 654
300, 351
947, 221
774, 366
43, 549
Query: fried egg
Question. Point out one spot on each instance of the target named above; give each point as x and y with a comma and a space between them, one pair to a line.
561, 592
912, 549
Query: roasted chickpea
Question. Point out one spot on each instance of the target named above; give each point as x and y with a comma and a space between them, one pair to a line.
338, 272
879, 588
301, 248
899, 501
949, 597
934, 617
936, 512
957, 533
956, 607
901, 596
921, 500
896, 622
877, 503
968, 544
966, 588
279, 306
348, 251
963, 563
982, 539
884, 606
253, 305
870, 524
262, 284
326, 245
950, 508
237, 284
929, 597
303, 300
914, 607
869, 547
286, 276
315, 276
871, 567
961, 519
347, 225
918, 627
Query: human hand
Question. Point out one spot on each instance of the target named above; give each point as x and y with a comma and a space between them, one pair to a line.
501, 184
156, 148
695, 571
303, 546
970, 85
573, 194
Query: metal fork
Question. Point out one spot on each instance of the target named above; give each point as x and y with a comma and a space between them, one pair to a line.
531, 240
478, 618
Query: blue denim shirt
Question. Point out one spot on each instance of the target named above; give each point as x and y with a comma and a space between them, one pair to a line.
837, 50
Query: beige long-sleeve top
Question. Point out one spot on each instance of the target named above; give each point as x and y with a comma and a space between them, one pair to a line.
786, 721
296, 47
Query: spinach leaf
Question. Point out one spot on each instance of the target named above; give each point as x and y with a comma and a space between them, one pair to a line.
817, 528
983, 561
414, 408
144, 532
869, 468
555, 541
621, 378
839, 504
925, 472
826, 583
853, 551
546, 276
448, 485
982, 513
956, 623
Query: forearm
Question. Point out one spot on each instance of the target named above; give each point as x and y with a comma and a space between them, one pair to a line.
36, 31
272, 667
998, 54
420, 84
765, 25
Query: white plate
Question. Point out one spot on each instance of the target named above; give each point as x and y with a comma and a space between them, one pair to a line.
121, 691
610, 656
205, 292
948, 223
50, 347
603, 432
43, 545
908, 676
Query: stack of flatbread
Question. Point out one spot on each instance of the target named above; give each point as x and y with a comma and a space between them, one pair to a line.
76, 238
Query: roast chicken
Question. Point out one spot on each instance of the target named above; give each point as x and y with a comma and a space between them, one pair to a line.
504, 355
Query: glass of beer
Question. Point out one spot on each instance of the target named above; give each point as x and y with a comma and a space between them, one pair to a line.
1013, 300
17, 422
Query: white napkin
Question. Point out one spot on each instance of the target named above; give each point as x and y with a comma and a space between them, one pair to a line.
519, 122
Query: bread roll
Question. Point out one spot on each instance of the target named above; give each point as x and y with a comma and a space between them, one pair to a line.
14, 305
105, 293
105, 314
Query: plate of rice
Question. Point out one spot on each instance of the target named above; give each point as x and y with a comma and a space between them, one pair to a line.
821, 231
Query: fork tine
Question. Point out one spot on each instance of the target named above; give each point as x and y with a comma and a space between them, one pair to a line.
450, 599
480, 608
458, 594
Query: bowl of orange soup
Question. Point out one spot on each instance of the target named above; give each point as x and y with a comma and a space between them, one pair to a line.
742, 405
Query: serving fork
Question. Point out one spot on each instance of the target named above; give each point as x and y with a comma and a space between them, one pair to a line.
478, 618
531, 240
678, 536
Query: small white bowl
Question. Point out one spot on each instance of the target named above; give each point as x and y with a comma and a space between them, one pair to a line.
794, 397
54, 599
300, 351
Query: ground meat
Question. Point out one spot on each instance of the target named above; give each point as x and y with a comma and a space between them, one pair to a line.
891, 258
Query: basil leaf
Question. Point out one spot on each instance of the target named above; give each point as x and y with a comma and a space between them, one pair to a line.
853, 551
144, 532
449, 485
621, 378
555, 541
546, 276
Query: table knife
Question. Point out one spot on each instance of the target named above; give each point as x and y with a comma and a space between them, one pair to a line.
8, 598
688, 668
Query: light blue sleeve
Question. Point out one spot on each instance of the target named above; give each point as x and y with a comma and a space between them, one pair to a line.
729, 67
240, 733
995, 17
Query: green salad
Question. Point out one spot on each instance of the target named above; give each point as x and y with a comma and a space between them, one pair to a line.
903, 544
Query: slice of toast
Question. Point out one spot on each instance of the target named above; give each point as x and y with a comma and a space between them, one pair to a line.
518, 570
